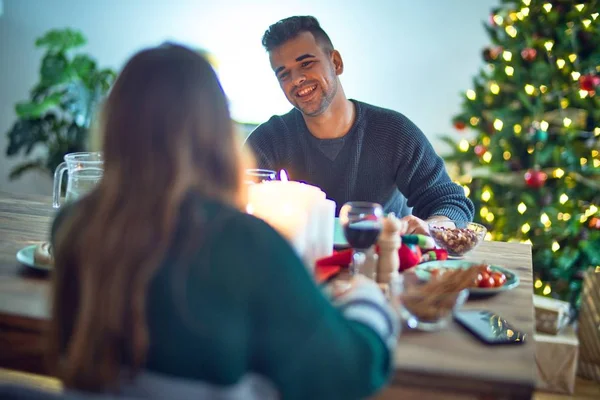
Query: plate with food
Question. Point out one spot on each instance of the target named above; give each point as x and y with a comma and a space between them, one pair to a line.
36, 256
489, 279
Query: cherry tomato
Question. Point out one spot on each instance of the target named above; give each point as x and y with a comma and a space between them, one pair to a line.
499, 277
485, 268
484, 277
490, 282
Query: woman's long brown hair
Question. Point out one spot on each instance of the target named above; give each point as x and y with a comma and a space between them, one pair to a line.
165, 130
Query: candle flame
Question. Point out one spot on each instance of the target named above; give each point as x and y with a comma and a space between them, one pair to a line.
283, 176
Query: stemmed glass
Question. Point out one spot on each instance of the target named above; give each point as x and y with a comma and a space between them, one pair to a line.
259, 175
362, 223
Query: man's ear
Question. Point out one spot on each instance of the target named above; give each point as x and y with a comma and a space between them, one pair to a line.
338, 63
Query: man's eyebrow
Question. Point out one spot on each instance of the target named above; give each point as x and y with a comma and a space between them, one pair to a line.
303, 56
298, 59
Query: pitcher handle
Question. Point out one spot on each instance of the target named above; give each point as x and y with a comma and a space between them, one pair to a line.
58, 174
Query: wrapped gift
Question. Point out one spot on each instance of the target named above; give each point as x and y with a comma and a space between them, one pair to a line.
556, 360
589, 326
551, 315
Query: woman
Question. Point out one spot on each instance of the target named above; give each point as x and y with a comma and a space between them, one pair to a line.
158, 269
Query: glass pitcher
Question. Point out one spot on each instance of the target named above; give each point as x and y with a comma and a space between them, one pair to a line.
84, 172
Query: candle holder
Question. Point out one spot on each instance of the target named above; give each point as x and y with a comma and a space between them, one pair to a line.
361, 222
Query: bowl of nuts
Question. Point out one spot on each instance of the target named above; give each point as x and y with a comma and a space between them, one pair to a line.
457, 237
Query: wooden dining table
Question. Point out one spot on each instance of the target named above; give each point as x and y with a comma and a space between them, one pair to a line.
446, 364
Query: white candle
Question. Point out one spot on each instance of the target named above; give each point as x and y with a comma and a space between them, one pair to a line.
299, 212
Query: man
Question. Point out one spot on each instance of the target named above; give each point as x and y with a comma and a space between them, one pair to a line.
352, 150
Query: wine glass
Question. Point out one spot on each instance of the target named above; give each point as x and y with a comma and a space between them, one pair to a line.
258, 175
362, 223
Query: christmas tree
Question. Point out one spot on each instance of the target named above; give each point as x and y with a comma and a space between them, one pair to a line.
528, 141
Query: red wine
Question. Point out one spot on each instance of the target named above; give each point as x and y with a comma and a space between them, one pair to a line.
362, 234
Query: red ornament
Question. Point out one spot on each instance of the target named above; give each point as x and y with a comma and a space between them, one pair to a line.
535, 178
589, 82
496, 51
460, 125
595, 223
480, 150
529, 54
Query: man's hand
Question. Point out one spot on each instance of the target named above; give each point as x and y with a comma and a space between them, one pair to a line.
415, 225
418, 226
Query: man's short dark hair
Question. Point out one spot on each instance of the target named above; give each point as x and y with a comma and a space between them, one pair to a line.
288, 28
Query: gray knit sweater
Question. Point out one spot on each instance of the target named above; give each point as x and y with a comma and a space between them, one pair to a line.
384, 158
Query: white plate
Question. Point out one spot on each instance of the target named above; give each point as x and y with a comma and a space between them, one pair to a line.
25, 257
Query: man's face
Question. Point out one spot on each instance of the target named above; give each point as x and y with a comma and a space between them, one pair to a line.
306, 73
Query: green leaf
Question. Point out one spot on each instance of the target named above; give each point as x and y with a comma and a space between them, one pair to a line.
55, 69
20, 169
36, 110
568, 257
84, 67
61, 40
591, 251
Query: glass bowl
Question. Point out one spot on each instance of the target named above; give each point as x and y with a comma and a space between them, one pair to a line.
457, 237
429, 311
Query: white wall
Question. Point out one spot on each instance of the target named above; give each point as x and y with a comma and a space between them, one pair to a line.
407, 55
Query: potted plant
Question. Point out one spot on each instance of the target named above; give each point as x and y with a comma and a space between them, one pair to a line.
61, 106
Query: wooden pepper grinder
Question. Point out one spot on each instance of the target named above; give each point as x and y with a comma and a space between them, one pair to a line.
389, 242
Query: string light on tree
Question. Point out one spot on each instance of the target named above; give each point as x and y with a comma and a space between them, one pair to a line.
511, 31
558, 173
506, 155
509, 70
575, 75
517, 129
464, 145
549, 45
529, 89
494, 88
471, 95
474, 121
547, 290
560, 63
525, 228
487, 157
545, 220
572, 57
586, 23
507, 55
498, 124
486, 195
563, 198
567, 122
555, 246
525, 11
580, 7
547, 7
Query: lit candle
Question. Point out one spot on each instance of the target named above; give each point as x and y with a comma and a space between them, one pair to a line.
299, 212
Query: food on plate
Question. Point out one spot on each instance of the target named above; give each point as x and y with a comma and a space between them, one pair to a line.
42, 254
485, 278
